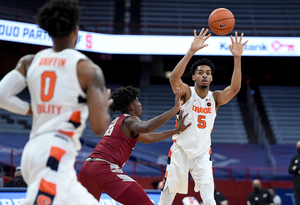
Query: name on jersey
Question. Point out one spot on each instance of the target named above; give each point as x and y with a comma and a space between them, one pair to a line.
56, 62
48, 109
201, 109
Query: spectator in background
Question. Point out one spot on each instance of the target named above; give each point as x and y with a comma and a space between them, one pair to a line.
17, 181
220, 198
259, 196
294, 168
275, 197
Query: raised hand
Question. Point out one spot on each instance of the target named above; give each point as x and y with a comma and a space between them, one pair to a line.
107, 96
178, 101
236, 46
180, 122
198, 42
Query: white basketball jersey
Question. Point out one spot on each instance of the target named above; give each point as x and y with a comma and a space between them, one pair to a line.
57, 100
196, 139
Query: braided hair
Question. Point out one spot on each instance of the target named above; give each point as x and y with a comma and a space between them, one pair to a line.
203, 61
122, 97
59, 17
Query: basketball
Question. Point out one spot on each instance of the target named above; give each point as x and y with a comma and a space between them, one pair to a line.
221, 21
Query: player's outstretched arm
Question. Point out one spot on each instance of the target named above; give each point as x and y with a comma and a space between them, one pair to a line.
98, 96
155, 137
197, 44
236, 48
137, 126
12, 84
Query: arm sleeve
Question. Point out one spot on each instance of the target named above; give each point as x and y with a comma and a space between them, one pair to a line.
12, 84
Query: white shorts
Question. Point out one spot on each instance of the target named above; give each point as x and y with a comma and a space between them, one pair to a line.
177, 172
48, 168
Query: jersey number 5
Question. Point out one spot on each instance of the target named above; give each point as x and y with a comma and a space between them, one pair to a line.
48, 84
201, 121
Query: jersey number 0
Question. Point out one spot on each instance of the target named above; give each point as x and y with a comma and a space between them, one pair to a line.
47, 85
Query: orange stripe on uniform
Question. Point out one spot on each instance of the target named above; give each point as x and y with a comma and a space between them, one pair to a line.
57, 153
212, 170
170, 153
69, 133
75, 116
166, 174
47, 187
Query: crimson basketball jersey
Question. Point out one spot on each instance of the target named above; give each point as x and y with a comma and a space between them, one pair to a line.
57, 100
115, 146
196, 139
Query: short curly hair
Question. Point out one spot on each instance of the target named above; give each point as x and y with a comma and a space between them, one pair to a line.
122, 97
203, 61
59, 17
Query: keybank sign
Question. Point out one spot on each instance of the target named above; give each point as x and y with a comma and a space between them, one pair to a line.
268, 46
151, 44
249, 46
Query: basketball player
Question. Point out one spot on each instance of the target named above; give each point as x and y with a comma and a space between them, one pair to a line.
191, 148
102, 171
65, 87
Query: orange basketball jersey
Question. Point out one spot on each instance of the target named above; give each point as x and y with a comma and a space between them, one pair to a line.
57, 100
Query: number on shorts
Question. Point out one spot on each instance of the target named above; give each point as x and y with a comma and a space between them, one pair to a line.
44, 200
47, 86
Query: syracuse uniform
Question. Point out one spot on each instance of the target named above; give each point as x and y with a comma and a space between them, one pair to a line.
191, 150
59, 115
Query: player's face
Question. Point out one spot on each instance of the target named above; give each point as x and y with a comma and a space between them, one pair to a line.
202, 76
137, 107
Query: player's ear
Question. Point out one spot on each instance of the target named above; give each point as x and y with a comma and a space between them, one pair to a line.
193, 77
131, 106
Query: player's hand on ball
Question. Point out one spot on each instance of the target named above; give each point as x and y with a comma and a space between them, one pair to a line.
180, 122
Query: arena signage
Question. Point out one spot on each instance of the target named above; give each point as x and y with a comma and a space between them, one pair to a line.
151, 44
